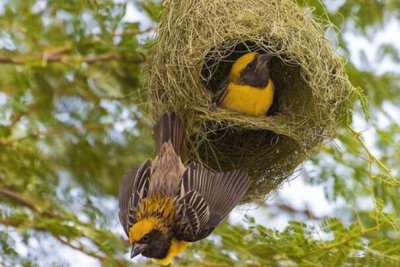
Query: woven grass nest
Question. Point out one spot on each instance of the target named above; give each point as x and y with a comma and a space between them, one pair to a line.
197, 42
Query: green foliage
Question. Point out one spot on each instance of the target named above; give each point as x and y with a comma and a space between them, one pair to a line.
328, 243
71, 123
153, 9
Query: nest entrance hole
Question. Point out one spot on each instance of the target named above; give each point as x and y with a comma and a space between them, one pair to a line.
291, 90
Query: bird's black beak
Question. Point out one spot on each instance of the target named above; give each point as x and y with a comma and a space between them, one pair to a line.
137, 249
263, 60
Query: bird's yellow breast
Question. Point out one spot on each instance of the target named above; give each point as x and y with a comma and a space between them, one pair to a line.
249, 100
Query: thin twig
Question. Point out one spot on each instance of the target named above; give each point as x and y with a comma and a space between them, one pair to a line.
81, 249
15, 224
371, 156
56, 132
134, 32
307, 212
26, 203
18, 198
52, 58
342, 242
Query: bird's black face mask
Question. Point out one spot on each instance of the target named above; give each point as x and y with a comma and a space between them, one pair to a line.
256, 72
153, 245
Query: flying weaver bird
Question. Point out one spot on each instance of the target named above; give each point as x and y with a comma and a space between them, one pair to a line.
163, 205
248, 88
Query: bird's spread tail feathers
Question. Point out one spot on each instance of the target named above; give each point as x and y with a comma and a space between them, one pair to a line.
169, 128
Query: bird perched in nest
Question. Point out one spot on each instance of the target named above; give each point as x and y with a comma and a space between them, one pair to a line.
163, 205
248, 88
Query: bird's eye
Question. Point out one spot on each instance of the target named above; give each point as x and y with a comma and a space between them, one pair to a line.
145, 238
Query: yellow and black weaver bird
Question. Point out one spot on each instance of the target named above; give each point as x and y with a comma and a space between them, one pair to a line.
163, 205
248, 88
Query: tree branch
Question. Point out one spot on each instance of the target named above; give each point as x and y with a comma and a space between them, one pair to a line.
16, 224
81, 249
38, 227
57, 131
18, 199
56, 57
135, 32
371, 156
306, 212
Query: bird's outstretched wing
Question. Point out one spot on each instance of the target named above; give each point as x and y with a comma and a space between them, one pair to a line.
206, 199
133, 187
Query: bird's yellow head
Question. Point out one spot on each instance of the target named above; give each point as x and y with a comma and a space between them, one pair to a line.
145, 227
251, 69
240, 64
